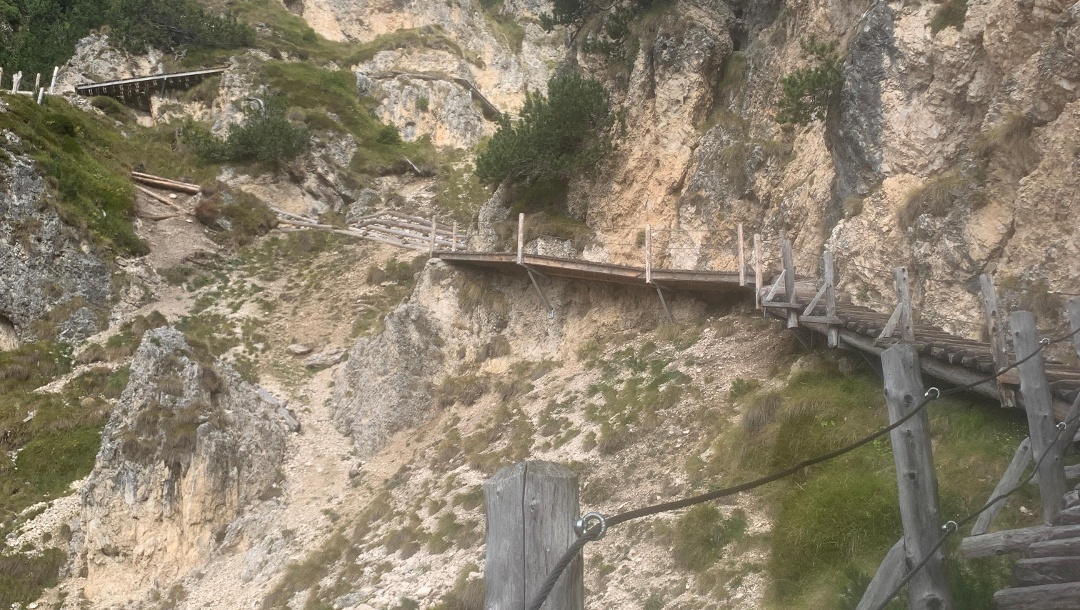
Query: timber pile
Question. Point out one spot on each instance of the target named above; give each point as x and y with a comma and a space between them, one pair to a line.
165, 183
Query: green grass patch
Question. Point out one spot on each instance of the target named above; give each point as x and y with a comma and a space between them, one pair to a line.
701, 535
950, 14
24, 577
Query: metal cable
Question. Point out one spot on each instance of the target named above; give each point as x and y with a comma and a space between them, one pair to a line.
575, 548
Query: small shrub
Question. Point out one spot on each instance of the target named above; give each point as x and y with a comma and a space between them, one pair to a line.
741, 387
761, 413
1011, 140
112, 108
701, 535
422, 104
951, 13
937, 196
808, 92
266, 137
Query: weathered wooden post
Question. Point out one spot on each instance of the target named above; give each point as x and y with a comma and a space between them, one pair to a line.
789, 282
1035, 392
742, 258
40, 95
433, 230
915, 478
1, 77
996, 328
758, 275
52, 85
531, 508
15, 78
37, 82
903, 290
830, 299
648, 254
521, 239
453, 238
1073, 416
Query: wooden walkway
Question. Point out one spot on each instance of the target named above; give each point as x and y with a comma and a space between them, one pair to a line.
137, 91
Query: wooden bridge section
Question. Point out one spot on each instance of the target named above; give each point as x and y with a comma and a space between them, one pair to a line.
137, 91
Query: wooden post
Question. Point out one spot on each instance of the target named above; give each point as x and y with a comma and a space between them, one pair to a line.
830, 299
531, 508
907, 327
15, 78
1035, 393
1072, 418
433, 229
742, 258
37, 82
648, 254
996, 328
1008, 481
52, 85
453, 238
915, 477
758, 277
886, 578
521, 239
1, 78
789, 282
40, 95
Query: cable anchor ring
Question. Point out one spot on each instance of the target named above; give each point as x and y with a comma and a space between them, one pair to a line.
937, 393
584, 523
948, 523
1044, 341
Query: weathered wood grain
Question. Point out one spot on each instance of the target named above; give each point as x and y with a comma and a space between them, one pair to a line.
1008, 481
886, 578
1013, 541
915, 477
789, 281
1066, 547
1035, 392
1046, 571
1044, 597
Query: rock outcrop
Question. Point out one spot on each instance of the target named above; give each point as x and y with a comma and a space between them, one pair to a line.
49, 274
189, 446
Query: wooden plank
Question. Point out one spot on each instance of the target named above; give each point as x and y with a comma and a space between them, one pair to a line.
830, 298
434, 233
1067, 547
821, 320
1046, 571
886, 578
504, 563
160, 198
774, 288
995, 326
1044, 597
894, 319
903, 291
1013, 541
789, 281
1008, 481
742, 257
758, 278
1072, 419
165, 183
915, 478
1035, 392
813, 302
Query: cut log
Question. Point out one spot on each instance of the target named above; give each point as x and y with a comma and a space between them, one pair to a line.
1013, 541
164, 200
1046, 571
1066, 547
165, 183
1069, 516
1044, 597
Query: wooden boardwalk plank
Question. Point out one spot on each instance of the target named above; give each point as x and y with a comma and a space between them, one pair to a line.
1046, 571
1044, 597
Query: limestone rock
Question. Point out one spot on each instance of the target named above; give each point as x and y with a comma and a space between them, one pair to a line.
298, 349
188, 447
324, 359
385, 385
45, 265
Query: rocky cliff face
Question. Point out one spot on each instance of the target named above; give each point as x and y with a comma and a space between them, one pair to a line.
188, 448
49, 275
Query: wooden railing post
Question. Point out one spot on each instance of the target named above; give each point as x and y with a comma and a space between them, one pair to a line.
1072, 418
52, 85
15, 78
742, 258
1035, 392
521, 239
903, 291
453, 238
915, 477
995, 326
789, 282
758, 274
830, 299
531, 508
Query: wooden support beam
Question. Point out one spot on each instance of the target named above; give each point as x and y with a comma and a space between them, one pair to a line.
453, 239
531, 508
648, 254
165, 183
1035, 392
1072, 419
758, 280
814, 301
789, 281
521, 239
915, 477
1008, 482
742, 258
993, 314
830, 298
1044, 597
52, 85
772, 291
160, 198
886, 578
434, 234
890, 326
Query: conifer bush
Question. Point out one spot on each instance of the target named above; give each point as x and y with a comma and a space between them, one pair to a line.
808, 92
